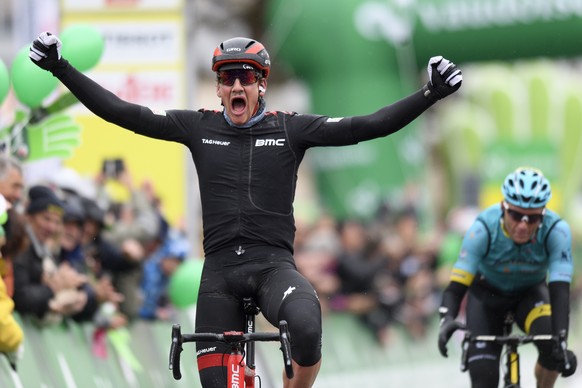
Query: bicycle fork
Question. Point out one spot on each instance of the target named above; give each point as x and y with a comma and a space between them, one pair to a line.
512, 375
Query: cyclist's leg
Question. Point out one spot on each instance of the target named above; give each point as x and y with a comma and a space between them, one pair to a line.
533, 316
287, 295
483, 358
216, 312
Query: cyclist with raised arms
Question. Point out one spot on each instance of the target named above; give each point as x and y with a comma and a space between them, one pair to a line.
247, 160
516, 257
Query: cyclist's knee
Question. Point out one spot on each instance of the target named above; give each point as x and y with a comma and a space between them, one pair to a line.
303, 315
306, 344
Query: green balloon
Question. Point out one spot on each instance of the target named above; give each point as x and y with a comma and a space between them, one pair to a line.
185, 283
4, 81
31, 83
82, 46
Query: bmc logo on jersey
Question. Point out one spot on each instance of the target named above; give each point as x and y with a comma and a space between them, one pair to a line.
270, 143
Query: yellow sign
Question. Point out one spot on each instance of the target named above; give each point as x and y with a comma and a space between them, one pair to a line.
147, 160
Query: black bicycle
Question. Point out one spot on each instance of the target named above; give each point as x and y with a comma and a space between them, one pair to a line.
511, 343
240, 363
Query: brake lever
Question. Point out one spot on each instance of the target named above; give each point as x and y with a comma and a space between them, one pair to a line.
285, 339
564, 347
175, 350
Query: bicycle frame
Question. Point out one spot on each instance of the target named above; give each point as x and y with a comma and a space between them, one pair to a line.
251, 311
240, 363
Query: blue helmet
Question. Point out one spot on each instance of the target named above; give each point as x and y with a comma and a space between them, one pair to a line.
526, 188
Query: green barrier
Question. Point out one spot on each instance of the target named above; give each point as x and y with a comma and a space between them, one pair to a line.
71, 355
106, 367
8, 377
35, 369
160, 332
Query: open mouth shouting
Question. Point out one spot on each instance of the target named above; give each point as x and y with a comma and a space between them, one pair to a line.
238, 105
241, 104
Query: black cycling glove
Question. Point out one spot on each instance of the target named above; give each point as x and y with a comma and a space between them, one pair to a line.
447, 328
45, 52
566, 366
445, 78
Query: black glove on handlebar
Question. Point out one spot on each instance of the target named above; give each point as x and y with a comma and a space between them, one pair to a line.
561, 359
573, 361
446, 330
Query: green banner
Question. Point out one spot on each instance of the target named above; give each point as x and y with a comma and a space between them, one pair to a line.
486, 30
360, 55
348, 74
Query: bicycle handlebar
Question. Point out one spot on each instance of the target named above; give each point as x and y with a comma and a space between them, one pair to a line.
232, 338
514, 340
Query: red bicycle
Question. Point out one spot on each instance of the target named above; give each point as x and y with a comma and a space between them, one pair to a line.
240, 363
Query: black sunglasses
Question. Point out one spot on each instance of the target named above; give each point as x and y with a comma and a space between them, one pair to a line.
246, 77
520, 217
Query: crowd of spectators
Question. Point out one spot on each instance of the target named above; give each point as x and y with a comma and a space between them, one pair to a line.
382, 270
105, 258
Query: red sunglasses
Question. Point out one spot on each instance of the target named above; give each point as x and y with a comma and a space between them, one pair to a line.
246, 77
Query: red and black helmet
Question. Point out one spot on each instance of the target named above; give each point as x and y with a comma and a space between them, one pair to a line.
240, 51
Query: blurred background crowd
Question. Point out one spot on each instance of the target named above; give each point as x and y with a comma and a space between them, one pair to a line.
105, 258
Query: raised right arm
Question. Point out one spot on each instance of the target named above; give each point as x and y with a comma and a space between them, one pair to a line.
45, 52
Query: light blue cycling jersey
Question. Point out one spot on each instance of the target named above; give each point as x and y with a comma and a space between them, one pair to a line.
489, 251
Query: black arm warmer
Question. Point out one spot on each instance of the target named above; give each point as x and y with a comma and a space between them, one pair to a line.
390, 118
452, 298
560, 300
97, 99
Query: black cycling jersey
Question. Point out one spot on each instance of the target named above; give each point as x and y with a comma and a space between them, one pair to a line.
247, 177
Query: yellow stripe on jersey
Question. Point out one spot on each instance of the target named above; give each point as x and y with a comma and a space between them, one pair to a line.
463, 277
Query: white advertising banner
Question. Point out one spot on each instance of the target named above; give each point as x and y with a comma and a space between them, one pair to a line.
146, 42
143, 59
